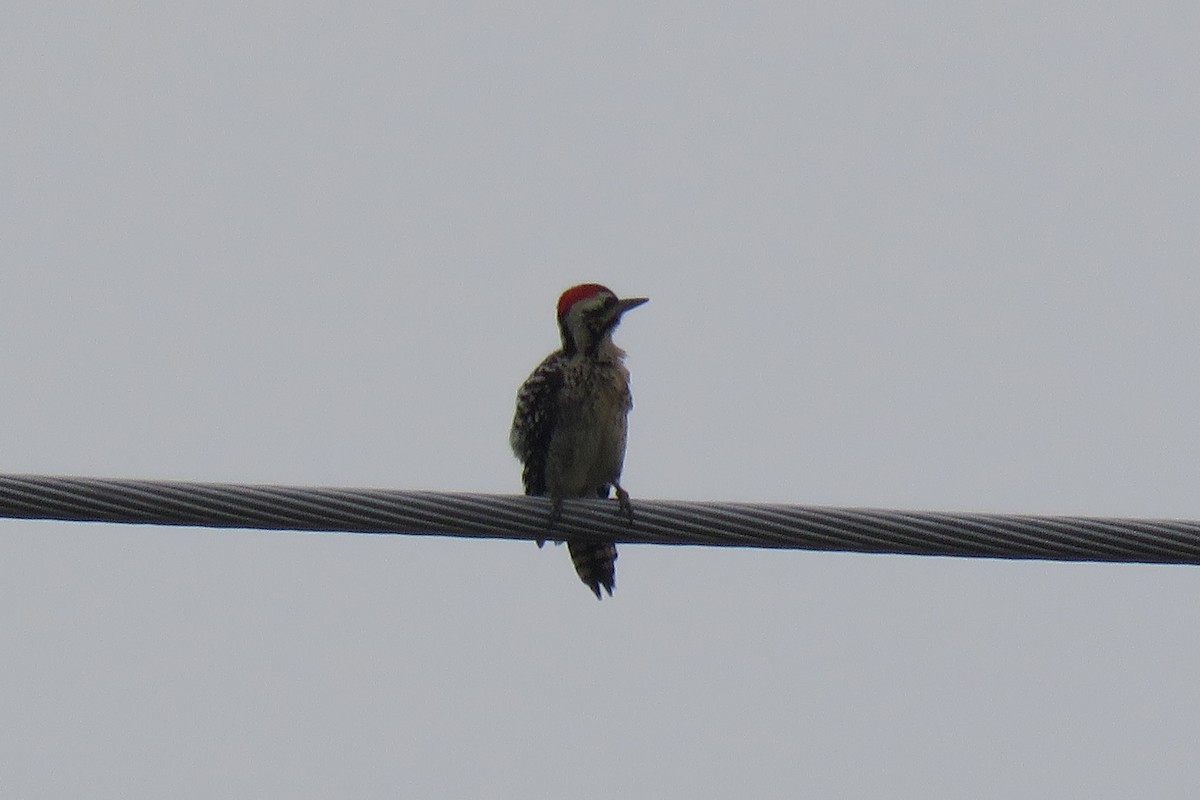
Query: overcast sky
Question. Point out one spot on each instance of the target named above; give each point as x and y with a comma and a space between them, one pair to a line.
930, 257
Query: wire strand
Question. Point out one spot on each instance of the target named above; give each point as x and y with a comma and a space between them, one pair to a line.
302, 508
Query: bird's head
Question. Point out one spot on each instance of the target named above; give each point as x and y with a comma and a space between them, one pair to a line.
587, 315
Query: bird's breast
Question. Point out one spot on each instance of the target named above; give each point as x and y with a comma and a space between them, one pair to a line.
588, 448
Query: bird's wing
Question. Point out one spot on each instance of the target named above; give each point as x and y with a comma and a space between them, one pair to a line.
534, 421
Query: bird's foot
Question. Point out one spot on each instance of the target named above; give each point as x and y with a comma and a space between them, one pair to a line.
624, 506
555, 516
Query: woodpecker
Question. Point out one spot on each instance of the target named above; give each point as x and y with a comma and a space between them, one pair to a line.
569, 427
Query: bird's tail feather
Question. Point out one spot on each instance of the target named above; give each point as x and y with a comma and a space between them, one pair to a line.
596, 564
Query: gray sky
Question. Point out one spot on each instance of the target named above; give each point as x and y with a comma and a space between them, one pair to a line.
938, 258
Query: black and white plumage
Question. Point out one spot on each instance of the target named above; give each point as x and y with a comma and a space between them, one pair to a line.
570, 424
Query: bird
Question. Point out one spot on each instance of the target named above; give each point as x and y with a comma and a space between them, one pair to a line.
569, 428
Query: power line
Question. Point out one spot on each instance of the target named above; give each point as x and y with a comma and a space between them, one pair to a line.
304, 508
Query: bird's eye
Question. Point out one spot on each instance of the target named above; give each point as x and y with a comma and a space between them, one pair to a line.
602, 310
606, 305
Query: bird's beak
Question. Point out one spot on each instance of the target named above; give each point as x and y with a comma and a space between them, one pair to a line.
630, 302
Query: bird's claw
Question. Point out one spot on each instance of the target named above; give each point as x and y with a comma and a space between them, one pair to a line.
624, 506
552, 520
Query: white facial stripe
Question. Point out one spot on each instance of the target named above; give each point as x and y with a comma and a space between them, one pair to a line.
593, 303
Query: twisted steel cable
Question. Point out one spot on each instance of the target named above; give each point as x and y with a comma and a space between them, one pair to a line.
303, 508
